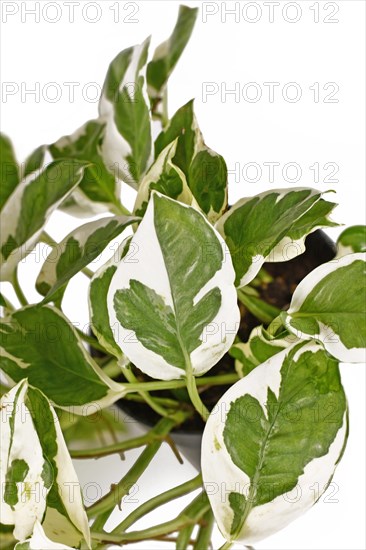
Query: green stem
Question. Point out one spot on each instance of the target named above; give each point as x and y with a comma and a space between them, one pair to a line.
195, 396
122, 488
18, 291
203, 539
180, 522
121, 209
166, 402
259, 308
220, 380
157, 501
100, 520
227, 545
144, 394
112, 368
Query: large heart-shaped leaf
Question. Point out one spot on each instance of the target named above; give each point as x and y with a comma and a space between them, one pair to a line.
330, 305
77, 250
272, 436
254, 228
39, 343
205, 170
175, 309
167, 55
29, 207
99, 189
127, 145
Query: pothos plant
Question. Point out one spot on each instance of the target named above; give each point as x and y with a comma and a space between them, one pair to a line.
169, 303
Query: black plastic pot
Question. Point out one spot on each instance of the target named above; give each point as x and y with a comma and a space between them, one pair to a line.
286, 276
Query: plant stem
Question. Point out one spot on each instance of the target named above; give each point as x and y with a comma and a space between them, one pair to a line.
220, 380
101, 520
181, 521
205, 531
157, 501
122, 488
195, 396
144, 394
184, 535
227, 545
91, 341
18, 291
263, 311
119, 447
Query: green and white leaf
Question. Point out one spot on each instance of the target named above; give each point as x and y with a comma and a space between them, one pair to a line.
98, 291
127, 145
165, 177
25, 475
255, 226
167, 55
293, 244
176, 307
39, 541
330, 305
78, 249
35, 161
281, 429
260, 347
205, 170
65, 519
352, 239
99, 190
9, 177
29, 207
40, 344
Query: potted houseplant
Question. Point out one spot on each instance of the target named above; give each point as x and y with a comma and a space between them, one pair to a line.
226, 320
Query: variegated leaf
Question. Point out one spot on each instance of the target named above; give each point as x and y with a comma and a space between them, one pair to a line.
167, 55
9, 176
99, 190
98, 291
330, 305
352, 239
280, 429
260, 347
175, 308
25, 474
255, 226
65, 519
77, 250
29, 207
293, 244
35, 161
127, 145
165, 177
39, 343
39, 541
204, 169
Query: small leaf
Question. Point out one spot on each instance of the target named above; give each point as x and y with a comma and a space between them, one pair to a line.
352, 239
29, 208
280, 429
175, 309
330, 305
257, 350
35, 161
167, 55
38, 342
205, 170
165, 177
78, 249
99, 189
255, 226
9, 177
23, 490
127, 143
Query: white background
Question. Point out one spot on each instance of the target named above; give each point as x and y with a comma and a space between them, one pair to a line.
224, 53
